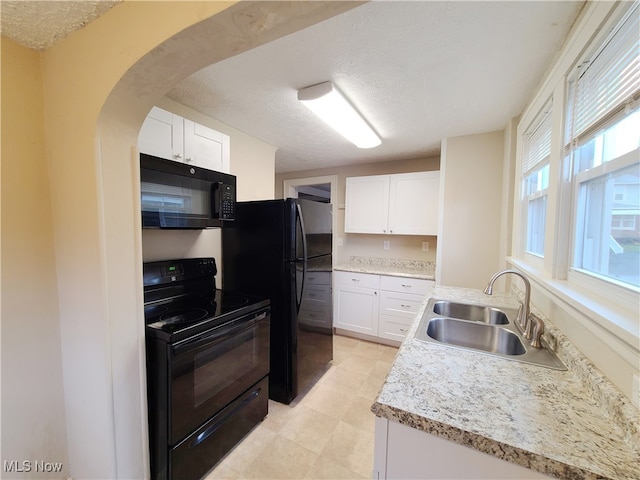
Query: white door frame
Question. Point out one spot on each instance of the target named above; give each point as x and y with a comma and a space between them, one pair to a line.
290, 190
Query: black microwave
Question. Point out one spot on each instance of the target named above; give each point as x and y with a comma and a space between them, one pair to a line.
181, 196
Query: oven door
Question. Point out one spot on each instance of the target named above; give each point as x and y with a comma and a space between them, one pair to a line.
209, 371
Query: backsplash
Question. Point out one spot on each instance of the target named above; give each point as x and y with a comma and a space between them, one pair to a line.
390, 266
392, 262
399, 246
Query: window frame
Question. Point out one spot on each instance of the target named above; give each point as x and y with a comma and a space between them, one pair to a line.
541, 122
612, 305
586, 278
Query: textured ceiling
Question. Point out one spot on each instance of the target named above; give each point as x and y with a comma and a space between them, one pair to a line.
418, 71
39, 24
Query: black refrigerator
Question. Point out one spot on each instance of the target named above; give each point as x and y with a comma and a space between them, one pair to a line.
277, 249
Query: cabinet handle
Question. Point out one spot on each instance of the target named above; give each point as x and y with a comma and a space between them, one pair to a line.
403, 330
384, 230
312, 294
405, 306
355, 280
390, 231
177, 155
189, 159
406, 286
375, 293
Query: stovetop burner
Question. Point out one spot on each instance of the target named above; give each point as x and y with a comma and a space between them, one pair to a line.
231, 300
186, 315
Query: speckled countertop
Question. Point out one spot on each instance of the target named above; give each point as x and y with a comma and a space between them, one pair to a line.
387, 266
567, 424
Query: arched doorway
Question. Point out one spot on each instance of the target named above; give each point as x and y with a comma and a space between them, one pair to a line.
100, 291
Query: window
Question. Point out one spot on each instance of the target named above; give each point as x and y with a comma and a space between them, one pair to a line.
535, 167
602, 148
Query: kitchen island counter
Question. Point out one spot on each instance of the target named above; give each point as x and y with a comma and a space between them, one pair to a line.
566, 424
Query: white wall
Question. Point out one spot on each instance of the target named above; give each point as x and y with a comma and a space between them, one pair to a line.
471, 204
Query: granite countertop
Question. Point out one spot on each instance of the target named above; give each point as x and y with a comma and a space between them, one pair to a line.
567, 424
387, 266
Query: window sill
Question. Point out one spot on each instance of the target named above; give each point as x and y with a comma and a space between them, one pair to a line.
613, 317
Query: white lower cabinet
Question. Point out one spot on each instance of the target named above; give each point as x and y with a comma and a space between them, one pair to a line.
400, 301
377, 305
402, 452
356, 302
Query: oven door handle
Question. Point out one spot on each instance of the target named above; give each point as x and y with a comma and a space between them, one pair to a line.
221, 333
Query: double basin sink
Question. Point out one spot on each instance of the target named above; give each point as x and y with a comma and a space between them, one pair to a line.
484, 329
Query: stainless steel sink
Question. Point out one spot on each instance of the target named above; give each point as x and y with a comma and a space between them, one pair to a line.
475, 335
475, 313
480, 328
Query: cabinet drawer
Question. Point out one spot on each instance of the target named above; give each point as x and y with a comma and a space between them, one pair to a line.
318, 278
393, 328
400, 304
317, 294
357, 279
406, 285
315, 316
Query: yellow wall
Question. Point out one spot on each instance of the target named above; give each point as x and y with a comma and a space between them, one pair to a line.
98, 84
97, 244
33, 414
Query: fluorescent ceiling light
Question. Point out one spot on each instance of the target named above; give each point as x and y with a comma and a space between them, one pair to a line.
331, 106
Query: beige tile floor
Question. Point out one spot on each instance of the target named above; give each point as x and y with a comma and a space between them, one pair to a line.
326, 432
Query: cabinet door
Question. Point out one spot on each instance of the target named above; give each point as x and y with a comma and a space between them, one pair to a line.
356, 309
205, 147
413, 203
366, 204
162, 135
405, 452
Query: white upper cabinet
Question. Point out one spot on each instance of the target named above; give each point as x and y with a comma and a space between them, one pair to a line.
413, 203
366, 204
398, 204
206, 147
173, 137
162, 135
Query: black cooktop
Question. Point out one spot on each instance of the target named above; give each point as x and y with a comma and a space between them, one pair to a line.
192, 313
181, 299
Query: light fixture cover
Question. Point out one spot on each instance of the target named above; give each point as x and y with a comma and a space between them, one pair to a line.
331, 106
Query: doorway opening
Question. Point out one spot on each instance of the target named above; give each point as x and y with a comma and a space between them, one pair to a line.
316, 193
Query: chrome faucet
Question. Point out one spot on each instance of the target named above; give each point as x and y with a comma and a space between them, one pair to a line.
525, 323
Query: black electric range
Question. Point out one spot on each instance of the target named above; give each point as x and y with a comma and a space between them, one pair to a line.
207, 366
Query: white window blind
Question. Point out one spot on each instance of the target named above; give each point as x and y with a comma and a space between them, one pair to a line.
537, 145
607, 83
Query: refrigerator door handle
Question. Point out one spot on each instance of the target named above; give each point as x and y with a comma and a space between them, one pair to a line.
304, 256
